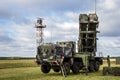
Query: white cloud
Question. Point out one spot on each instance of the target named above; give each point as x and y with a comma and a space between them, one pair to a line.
72, 16
109, 17
21, 40
109, 4
17, 18
109, 46
67, 25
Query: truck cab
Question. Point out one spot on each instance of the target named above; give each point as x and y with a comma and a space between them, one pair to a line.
54, 56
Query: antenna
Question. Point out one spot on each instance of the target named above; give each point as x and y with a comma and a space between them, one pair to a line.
95, 6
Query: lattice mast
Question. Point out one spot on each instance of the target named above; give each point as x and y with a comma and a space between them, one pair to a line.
39, 34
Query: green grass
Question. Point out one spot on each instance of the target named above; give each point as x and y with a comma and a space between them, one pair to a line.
16, 63
28, 70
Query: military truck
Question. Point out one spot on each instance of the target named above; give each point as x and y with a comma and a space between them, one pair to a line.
62, 56
57, 56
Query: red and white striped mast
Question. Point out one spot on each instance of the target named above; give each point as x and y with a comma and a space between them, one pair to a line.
39, 34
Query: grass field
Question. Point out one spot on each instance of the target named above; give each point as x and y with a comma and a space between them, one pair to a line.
28, 70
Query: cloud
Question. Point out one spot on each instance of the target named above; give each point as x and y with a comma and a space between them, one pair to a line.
17, 40
17, 19
109, 4
109, 46
62, 28
109, 16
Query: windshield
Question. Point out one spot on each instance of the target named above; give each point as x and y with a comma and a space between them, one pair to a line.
59, 51
67, 50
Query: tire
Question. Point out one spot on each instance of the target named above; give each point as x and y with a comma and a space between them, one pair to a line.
75, 68
45, 68
67, 67
91, 66
96, 66
56, 70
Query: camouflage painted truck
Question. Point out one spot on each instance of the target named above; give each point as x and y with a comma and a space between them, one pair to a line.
62, 56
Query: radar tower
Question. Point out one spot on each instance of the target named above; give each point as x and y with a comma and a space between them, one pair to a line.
39, 27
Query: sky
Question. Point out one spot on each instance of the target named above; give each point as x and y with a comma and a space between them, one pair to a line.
18, 18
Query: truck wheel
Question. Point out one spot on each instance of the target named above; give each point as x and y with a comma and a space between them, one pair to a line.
97, 66
75, 68
91, 66
45, 68
56, 70
67, 67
